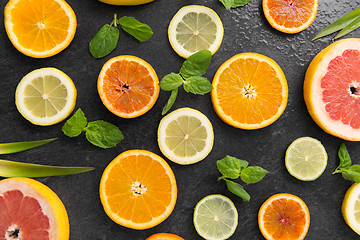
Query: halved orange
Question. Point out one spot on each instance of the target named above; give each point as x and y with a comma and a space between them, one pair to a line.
164, 236
128, 86
290, 16
250, 91
284, 216
138, 189
39, 28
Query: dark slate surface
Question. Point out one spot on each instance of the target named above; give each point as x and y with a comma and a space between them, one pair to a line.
246, 30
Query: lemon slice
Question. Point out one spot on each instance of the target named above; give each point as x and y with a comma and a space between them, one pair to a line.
215, 217
306, 159
45, 96
185, 136
351, 207
195, 28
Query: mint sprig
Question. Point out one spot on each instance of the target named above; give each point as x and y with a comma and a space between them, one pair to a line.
99, 133
233, 168
106, 40
348, 171
234, 3
190, 76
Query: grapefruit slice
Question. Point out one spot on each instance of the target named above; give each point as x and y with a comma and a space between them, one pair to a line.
332, 89
31, 210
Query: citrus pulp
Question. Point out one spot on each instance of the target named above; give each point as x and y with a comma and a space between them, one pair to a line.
164, 236
351, 207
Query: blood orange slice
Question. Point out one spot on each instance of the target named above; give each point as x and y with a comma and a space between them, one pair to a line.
31, 210
128, 86
284, 216
290, 16
332, 89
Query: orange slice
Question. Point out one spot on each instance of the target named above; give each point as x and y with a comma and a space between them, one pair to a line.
128, 86
31, 210
164, 236
284, 216
138, 189
250, 91
290, 16
40, 28
332, 89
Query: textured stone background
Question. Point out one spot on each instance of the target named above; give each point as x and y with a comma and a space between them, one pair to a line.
246, 30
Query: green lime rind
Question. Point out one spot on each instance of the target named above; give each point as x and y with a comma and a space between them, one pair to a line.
306, 154
215, 217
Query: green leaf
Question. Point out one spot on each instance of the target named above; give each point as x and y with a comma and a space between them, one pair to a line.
349, 28
18, 169
231, 167
338, 24
345, 160
6, 148
140, 31
103, 134
196, 64
171, 81
227, 3
237, 190
239, 3
352, 173
74, 126
171, 101
197, 85
253, 174
104, 42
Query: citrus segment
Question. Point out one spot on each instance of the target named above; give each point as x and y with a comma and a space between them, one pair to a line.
128, 86
284, 216
331, 89
40, 28
45, 96
215, 217
306, 159
351, 207
195, 28
31, 210
138, 189
164, 236
250, 91
185, 136
290, 16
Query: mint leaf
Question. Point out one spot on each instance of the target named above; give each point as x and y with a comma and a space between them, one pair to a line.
104, 42
231, 167
197, 85
103, 134
227, 3
253, 174
345, 160
237, 190
171, 101
352, 174
75, 125
140, 31
196, 64
170, 82
234, 3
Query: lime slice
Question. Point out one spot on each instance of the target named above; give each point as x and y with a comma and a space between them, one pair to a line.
185, 136
351, 207
45, 96
215, 217
195, 28
306, 159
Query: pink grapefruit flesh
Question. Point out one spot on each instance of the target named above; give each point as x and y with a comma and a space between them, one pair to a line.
332, 89
29, 210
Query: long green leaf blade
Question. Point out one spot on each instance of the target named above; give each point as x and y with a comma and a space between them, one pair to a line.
349, 28
6, 148
338, 24
18, 169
